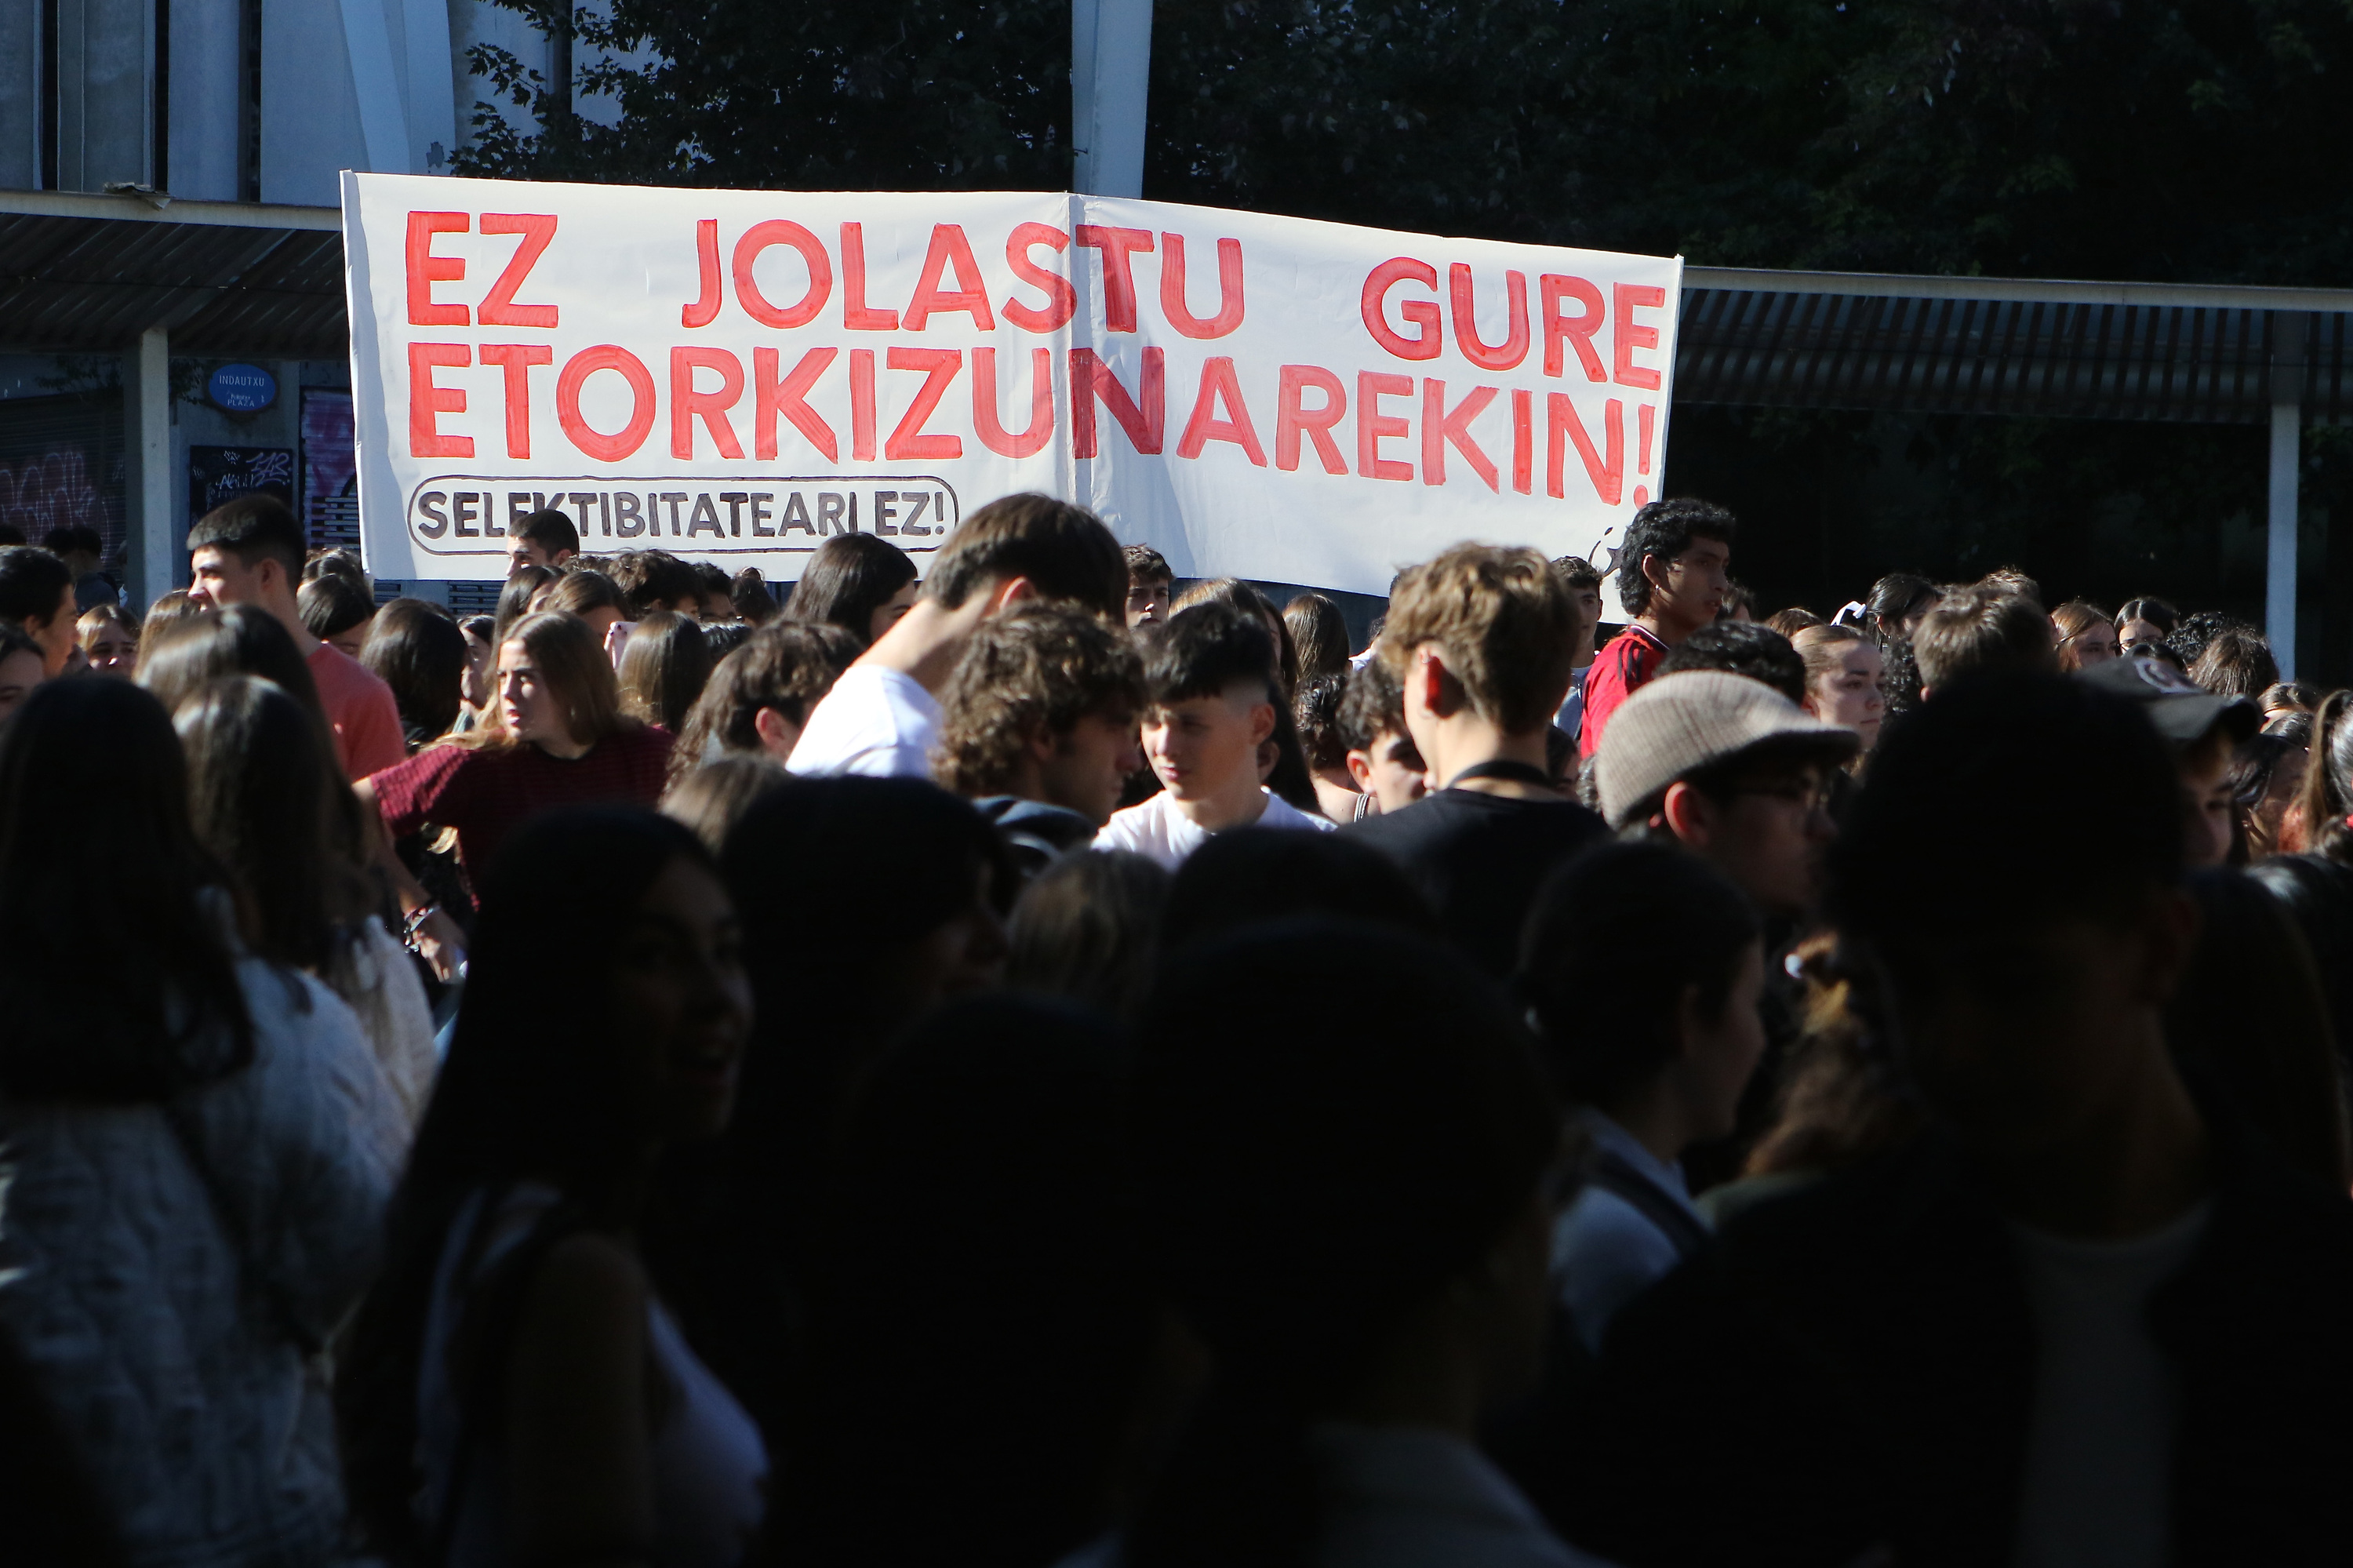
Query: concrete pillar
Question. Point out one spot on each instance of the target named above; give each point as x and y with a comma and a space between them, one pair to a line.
157, 537
1110, 71
2287, 443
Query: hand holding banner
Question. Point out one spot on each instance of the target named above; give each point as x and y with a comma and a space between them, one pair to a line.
736, 375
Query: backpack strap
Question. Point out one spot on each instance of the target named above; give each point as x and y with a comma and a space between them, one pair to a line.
1614, 1173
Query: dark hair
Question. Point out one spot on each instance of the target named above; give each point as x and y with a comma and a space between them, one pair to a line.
2190, 636
1064, 550
2014, 580
1790, 621
1204, 650
850, 577
2250, 1010
417, 649
1316, 712
550, 529
515, 599
2238, 662
243, 640
837, 878
1320, 633
336, 563
536, 1086
748, 592
664, 666
1295, 1224
1575, 572
1666, 529
710, 798
254, 527
1741, 647
721, 638
1088, 928
32, 581
714, 580
1257, 876
1895, 596
785, 665
2156, 611
652, 580
72, 538
582, 590
1978, 629
1601, 987
1242, 596
331, 605
988, 1150
1039, 665
120, 982
1952, 787
1146, 564
263, 801
1738, 597
1373, 707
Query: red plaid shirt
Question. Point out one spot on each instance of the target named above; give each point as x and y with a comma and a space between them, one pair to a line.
486, 794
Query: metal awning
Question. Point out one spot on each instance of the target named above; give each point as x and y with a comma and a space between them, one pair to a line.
2051, 348
87, 274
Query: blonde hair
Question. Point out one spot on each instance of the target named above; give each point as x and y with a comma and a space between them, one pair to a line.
1823, 648
573, 662
1504, 620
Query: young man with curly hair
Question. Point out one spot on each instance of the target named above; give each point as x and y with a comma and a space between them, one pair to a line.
1671, 578
1037, 727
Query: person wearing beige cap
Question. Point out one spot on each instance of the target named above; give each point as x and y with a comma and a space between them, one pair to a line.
1735, 772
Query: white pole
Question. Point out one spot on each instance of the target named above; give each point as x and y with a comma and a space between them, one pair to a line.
156, 557
2287, 436
1110, 74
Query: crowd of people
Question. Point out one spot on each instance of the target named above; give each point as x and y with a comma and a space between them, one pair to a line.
1028, 1061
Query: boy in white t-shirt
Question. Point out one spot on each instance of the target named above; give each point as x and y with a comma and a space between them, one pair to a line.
882, 717
1212, 689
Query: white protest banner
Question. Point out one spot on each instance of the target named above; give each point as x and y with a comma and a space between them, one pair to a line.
734, 375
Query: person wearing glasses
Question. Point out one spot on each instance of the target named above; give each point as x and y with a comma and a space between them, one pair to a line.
1733, 771
1673, 577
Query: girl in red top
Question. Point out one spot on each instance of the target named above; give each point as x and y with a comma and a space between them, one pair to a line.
556, 737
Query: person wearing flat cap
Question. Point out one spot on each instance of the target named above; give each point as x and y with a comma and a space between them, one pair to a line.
2204, 733
1734, 771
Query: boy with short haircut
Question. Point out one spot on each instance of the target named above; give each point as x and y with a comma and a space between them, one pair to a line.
1479, 641
250, 551
1211, 705
545, 538
1037, 727
882, 717
1381, 754
1982, 627
1150, 585
1673, 577
1584, 585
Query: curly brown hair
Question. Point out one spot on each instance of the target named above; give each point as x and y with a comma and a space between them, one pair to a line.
1037, 664
787, 665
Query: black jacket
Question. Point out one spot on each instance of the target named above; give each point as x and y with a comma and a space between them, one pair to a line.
1853, 1366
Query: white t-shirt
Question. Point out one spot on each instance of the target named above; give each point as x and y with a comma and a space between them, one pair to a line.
2099, 1444
876, 721
1159, 830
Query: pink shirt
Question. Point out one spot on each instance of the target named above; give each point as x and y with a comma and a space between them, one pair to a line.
365, 719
